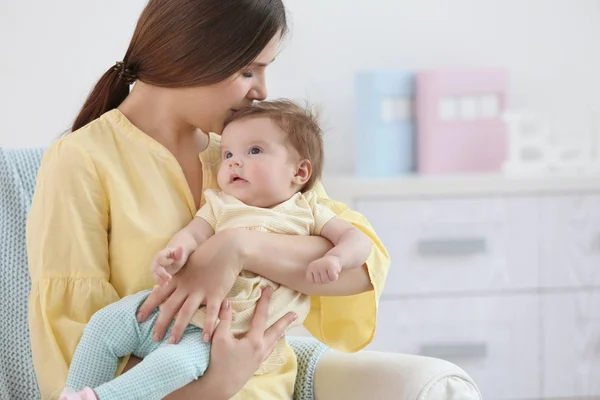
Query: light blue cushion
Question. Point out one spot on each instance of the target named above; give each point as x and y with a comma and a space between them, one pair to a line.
17, 176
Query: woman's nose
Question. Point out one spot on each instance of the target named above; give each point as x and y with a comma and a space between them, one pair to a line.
258, 91
257, 94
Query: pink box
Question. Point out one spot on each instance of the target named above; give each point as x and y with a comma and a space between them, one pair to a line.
459, 120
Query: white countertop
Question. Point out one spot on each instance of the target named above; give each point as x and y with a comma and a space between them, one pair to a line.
344, 187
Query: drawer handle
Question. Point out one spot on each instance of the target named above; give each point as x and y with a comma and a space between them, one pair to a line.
451, 247
454, 350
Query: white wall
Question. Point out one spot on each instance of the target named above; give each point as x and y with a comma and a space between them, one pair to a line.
53, 52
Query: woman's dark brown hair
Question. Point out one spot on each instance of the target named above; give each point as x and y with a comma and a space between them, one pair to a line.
186, 43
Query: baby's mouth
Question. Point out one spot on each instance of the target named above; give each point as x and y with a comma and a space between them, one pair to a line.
236, 178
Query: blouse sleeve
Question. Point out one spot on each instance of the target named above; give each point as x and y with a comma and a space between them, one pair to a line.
347, 323
67, 246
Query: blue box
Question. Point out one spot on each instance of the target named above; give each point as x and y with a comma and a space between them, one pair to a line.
385, 124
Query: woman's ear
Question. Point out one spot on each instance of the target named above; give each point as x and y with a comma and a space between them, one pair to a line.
303, 172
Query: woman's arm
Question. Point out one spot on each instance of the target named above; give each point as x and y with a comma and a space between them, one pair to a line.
212, 269
342, 321
70, 270
284, 258
67, 247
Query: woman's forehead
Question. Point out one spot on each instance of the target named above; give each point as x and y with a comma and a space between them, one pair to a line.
268, 54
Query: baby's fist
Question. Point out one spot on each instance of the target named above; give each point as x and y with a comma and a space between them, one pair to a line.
324, 270
167, 263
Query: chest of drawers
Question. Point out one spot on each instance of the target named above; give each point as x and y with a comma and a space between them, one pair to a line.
498, 275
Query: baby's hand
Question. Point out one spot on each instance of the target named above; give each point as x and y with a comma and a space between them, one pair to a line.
167, 263
324, 270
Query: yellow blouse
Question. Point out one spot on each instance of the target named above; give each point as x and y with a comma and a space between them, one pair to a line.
107, 198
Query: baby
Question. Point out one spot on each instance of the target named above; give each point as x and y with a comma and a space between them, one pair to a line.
272, 155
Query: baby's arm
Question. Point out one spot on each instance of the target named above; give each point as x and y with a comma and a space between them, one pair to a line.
169, 260
351, 249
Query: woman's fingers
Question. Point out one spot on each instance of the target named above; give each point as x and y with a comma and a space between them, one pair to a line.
158, 295
157, 278
166, 314
261, 314
184, 316
223, 330
277, 330
210, 320
163, 275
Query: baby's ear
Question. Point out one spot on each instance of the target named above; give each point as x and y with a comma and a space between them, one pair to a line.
303, 172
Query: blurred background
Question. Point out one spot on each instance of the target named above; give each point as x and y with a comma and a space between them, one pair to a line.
468, 132
53, 53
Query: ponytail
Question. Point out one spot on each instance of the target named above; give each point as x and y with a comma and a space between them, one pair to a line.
187, 43
109, 93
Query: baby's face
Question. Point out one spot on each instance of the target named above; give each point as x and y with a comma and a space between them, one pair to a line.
257, 167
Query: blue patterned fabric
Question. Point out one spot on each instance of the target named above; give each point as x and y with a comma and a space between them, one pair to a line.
113, 332
18, 169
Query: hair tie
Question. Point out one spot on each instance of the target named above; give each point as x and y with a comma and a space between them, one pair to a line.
126, 74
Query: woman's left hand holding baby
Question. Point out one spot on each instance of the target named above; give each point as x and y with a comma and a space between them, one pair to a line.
206, 279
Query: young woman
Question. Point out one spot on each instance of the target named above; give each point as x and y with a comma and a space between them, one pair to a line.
131, 174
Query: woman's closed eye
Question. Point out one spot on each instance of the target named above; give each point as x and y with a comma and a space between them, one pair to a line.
248, 74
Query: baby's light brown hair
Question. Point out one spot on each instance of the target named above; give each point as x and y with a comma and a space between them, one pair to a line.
301, 126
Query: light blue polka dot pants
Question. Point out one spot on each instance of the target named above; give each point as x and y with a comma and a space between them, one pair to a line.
113, 332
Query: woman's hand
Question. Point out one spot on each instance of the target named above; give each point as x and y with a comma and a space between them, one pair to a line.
234, 361
206, 279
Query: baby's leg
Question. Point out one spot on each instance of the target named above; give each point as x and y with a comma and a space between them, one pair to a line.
166, 369
112, 332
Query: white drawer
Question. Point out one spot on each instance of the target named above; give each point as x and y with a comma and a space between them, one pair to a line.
570, 241
571, 344
457, 245
494, 339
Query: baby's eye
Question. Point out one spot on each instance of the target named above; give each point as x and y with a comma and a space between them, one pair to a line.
255, 150
227, 155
